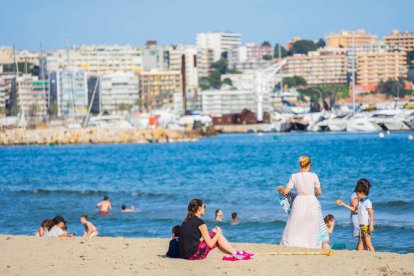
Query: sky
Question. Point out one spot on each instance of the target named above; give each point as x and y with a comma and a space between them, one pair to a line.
24, 23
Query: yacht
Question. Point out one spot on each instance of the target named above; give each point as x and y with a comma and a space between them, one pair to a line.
361, 122
389, 119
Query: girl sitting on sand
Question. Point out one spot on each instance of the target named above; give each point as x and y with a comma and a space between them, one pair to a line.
44, 227
192, 247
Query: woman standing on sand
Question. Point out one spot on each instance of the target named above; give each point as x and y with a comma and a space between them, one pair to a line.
303, 225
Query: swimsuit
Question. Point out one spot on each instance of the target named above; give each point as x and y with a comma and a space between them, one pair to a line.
104, 212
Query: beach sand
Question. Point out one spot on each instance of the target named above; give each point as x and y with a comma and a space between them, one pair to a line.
23, 255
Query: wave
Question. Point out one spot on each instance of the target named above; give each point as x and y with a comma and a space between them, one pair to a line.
395, 204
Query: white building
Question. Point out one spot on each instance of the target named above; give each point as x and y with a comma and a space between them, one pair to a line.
72, 93
219, 102
32, 96
155, 57
3, 90
118, 92
218, 42
97, 60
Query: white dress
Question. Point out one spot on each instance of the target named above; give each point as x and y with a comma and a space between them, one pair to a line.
303, 225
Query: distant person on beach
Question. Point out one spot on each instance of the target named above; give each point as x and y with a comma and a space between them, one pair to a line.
90, 229
124, 209
303, 225
173, 248
234, 218
219, 215
196, 241
58, 229
330, 224
365, 216
104, 206
44, 227
354, 204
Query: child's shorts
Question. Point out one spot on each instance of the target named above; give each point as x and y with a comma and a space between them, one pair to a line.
364, 231
203, 249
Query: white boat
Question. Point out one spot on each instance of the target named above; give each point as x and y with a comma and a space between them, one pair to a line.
389, 119
361, 123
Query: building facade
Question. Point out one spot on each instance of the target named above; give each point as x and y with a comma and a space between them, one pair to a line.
32, 96
346, 39
379, 63
317, 68
158, 89
72, 93
220, 102
119, 91
97, 60
155, 57
403, 39
218, 42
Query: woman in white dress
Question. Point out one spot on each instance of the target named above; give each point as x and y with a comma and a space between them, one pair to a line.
303, 228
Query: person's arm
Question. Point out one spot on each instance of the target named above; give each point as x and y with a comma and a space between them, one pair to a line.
371, 219
318, 190
350, 208
206, 236
288, 188
354, 204
98, 205
109, 206
330, 228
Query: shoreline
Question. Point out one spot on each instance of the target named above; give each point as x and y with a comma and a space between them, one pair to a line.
28, 255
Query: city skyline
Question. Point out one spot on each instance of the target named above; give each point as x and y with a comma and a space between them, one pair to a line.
130, 22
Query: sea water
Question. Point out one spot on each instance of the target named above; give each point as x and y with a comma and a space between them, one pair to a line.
237, 173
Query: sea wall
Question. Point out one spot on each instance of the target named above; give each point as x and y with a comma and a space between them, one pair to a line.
63, 136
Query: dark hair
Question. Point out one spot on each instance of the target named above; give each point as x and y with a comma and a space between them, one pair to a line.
234, 215
363, 186
176, 230
329, 218
84, 216
218, 210
193, 207
48, 224
106, 197
123, 207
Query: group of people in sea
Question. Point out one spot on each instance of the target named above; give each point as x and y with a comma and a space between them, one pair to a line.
57, 227
305, 227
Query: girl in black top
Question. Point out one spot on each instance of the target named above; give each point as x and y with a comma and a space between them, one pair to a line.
192, 247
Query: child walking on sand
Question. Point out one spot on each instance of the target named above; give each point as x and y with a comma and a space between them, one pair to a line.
104, 205
330, 224
90, 229
365, 216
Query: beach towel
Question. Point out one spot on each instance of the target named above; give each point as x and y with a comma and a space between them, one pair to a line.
286, 200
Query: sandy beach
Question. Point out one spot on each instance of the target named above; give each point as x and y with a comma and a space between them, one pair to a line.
23, 255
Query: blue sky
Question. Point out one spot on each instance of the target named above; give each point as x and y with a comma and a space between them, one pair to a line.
177, 21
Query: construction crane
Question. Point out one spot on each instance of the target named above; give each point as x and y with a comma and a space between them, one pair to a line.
264, 83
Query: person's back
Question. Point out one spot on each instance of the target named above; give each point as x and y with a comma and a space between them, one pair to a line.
304, 183
104, 206
190, 236
173, 248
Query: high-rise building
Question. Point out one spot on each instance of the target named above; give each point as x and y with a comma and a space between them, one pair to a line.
119, 91
72, 93
205, 58
155, 56
317, 68
403, 39
158, 89
378, 63
219, 102
32, 96
249, 56
218, 42
345, 39
3, 91
97, 60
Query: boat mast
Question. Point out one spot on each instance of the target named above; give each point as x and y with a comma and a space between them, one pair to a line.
353, 72
280, 58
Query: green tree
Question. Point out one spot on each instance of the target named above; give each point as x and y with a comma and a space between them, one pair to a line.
289, 82
124, 106
410, 58
2, 111
299, 81
283, 51
321, 43
220, 65
204, 83
227, 81
393, 88
53, 109
14, 110
34, 109
267, 57
266, 44
303, 47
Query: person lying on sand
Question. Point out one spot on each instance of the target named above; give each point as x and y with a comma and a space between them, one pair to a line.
58, 228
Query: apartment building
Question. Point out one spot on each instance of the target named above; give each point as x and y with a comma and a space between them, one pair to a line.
158, 88
119, 91
97, 60
205, 58
72, 93
218, 42
378, 63
403, 39
155, 56
219, 102
32, 96
317, 68
249, 56
345, 39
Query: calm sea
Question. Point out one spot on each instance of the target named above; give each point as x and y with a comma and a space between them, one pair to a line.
237, 173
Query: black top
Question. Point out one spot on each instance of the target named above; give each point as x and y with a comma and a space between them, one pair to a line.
173, 251
190, 237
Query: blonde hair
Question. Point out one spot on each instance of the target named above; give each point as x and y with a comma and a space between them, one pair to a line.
304, 161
